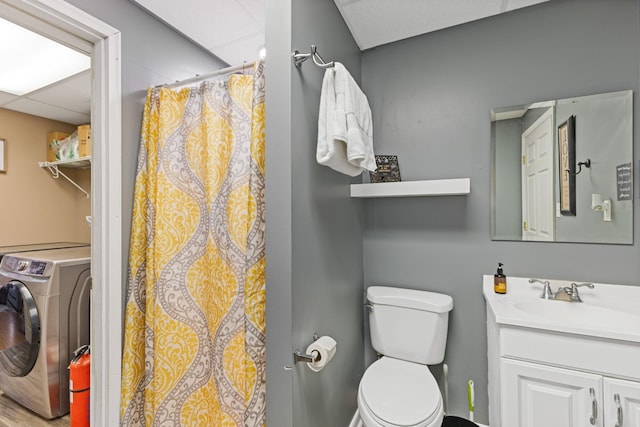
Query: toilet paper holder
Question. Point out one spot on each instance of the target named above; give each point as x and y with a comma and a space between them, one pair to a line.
309, 358
298, 356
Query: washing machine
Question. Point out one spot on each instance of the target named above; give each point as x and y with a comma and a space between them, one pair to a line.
38, 247
44, 317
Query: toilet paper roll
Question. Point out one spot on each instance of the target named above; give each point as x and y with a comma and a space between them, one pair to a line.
325, 348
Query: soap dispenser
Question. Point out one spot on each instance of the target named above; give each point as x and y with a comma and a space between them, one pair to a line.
500, 281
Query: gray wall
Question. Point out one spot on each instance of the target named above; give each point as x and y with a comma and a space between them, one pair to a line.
431, 97
152, 54
508, 179
314, 229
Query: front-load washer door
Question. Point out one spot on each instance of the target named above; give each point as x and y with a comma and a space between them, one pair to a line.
19, 329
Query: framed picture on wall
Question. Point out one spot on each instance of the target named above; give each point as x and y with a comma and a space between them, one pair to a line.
567, 166
3, 155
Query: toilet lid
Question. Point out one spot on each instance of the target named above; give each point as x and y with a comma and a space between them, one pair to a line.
400, 393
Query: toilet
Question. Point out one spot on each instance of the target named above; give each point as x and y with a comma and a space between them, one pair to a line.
408, 329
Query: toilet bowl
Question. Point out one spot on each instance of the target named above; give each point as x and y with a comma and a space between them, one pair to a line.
395, 393
408, 329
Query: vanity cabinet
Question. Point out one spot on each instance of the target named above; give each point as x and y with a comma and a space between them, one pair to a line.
560, 364
535, 395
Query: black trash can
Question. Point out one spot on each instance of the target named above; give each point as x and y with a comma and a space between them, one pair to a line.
452, 421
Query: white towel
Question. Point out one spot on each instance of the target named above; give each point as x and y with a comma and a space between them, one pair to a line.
345, 128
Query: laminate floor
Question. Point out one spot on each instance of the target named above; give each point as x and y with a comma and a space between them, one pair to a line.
13, 414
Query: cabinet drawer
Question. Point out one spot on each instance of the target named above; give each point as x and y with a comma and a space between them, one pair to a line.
609, 357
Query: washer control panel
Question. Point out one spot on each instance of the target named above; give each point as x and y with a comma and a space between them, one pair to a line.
24, 266
36, 268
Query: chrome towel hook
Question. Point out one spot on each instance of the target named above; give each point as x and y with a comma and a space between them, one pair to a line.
298, 58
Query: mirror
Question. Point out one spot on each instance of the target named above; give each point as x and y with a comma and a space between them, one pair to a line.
562, 170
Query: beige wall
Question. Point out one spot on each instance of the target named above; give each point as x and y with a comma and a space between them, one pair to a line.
34, 207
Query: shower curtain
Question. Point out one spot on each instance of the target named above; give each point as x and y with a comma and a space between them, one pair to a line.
194, 349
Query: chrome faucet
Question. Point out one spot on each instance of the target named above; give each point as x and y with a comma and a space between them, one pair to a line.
547, 293
571, 294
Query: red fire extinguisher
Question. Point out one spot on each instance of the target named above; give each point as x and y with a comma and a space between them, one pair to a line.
79, 387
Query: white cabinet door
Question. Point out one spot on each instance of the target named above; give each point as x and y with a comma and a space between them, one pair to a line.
622, 403
541, 396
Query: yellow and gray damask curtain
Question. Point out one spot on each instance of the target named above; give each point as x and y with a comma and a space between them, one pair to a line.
194, 350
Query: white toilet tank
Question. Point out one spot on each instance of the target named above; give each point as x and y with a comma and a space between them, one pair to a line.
409, 324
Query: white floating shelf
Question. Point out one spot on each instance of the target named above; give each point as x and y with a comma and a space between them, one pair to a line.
434, 187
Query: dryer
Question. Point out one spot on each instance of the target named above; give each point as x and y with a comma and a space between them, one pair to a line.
44, 317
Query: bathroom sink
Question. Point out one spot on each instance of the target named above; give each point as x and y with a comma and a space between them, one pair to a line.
607, 311
582, 313
560, 362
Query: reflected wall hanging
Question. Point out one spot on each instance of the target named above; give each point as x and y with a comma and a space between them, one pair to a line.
567, 166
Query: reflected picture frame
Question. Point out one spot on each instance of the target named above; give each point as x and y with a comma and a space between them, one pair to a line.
3, 155
567, 166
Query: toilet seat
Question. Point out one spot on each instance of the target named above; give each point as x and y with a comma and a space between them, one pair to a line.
396, 393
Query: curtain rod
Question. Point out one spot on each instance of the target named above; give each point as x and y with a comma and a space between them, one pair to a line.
229, 70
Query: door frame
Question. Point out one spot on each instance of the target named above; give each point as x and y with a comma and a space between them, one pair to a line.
69, 25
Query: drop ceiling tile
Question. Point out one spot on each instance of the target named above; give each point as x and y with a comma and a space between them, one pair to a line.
6, 97
72, 94
256, 8
408, 18
517, 4
52, 112
206, 22
243, 50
